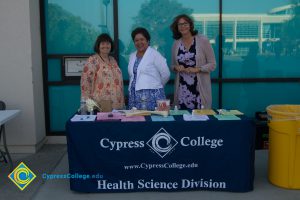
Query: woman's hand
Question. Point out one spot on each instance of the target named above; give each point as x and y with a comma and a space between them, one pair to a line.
192, 70
179, 68
189, 70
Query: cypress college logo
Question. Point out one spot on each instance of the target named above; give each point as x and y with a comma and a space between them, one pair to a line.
162, 143
22, 176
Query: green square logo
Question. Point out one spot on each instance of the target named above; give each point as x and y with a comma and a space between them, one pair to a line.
22, 176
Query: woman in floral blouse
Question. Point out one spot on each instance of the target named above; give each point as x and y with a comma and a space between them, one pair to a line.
101, 79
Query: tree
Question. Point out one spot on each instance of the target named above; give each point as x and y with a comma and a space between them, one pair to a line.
290, 32
67, 33
157, 16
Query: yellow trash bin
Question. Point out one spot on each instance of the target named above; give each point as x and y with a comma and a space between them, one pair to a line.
284, 145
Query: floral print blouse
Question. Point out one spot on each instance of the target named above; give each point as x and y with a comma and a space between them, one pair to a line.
102, 81
188, 95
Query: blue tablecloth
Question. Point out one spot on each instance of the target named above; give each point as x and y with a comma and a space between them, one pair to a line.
161, 156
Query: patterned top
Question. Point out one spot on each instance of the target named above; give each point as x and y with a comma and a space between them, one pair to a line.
205, 61
102, 81
188, 95
143, 99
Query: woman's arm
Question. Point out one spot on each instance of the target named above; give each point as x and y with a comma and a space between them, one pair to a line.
87, 79
130, 65
208, 55
161, 64
174, 65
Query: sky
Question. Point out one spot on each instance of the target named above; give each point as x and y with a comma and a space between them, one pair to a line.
129, 8
91, 11
252, 6
199, 6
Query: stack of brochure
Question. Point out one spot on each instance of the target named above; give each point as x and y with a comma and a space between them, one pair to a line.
229, 112
203, 112
189, 117
109, 116
83, 118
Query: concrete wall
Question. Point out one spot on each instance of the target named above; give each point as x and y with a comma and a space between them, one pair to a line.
21, 85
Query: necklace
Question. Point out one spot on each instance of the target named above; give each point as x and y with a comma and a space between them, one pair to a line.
104, 60
187, 43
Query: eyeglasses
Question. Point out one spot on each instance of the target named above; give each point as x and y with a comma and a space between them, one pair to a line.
185, 24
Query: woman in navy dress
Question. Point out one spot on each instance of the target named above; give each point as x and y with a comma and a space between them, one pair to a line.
192, 60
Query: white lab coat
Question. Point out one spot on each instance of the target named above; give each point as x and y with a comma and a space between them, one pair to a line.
152, 73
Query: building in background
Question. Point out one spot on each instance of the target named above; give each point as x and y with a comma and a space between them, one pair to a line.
242, 30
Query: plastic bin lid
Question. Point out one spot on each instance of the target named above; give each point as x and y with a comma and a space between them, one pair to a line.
284, 111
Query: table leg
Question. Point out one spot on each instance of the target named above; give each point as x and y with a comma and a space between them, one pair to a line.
6, 150
2, 157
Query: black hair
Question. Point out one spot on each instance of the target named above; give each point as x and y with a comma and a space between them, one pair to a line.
174, 26
104, 37
140, 30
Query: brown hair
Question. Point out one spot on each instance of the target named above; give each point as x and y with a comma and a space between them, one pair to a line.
140, 30
174, 26
104, 37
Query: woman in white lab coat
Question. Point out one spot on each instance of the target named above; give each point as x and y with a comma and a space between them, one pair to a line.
148, 73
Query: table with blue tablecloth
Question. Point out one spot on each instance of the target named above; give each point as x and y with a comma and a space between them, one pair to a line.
114, 156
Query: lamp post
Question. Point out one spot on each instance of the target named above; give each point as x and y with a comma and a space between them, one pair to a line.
106, 2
